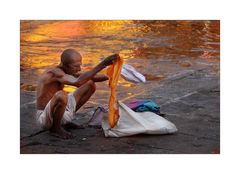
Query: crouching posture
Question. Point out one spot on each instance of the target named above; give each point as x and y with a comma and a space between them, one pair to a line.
56, 108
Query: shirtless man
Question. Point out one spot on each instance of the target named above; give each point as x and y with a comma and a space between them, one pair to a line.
56, 108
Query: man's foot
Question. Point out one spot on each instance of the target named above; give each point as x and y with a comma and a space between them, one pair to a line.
72, 125
61, 133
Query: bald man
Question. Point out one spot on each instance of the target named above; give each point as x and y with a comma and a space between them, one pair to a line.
56, 108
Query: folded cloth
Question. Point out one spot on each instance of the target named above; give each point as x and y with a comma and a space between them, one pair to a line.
144, 105
131, 123
129, 73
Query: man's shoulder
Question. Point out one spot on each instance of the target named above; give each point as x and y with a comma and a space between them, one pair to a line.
56, 72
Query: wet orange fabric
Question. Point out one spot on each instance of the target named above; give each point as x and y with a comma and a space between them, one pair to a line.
113, 72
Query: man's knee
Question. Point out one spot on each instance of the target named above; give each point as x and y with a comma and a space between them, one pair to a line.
92, 85
61, 97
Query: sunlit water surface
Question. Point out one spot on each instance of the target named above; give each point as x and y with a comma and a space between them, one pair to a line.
155, 48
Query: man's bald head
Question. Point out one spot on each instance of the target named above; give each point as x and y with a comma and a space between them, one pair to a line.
69, 56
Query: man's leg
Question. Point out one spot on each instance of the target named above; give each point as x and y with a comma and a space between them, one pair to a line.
57, 109
83, 93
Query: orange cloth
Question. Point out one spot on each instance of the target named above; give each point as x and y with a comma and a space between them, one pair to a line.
113, 72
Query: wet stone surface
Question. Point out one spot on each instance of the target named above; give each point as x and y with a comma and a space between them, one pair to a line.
191, 100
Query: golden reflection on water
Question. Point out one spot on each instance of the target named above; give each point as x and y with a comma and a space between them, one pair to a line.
69, 88
50, 31
138, 42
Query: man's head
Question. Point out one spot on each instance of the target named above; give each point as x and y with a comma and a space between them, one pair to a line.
71, 61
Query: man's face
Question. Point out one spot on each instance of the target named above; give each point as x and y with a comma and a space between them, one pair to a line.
74, 66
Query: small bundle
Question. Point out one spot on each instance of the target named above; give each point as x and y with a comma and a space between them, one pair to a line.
129, 73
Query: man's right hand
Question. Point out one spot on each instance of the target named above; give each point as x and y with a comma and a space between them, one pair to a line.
110, 59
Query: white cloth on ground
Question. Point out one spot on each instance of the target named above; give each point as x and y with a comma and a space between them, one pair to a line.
131, 123
129, 73
45, 119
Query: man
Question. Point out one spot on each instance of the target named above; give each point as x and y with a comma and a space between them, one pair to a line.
56, 108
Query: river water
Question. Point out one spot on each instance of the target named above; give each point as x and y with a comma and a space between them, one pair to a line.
156, 48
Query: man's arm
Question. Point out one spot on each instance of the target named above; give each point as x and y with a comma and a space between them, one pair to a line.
84, 77
81, 79
99, 78
96, 78
89, 75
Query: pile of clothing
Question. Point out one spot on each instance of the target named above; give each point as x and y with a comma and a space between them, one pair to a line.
144, 105
136, 117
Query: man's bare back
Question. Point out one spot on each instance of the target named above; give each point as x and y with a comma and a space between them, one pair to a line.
48, 85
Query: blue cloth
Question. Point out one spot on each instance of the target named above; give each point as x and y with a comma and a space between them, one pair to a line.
144, 105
